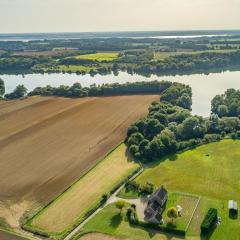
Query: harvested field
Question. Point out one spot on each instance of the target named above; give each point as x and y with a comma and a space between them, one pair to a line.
48, 143
87, 192
98, 236
9, 236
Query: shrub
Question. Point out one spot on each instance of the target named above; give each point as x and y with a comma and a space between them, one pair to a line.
132, 185
209, 221
146, 189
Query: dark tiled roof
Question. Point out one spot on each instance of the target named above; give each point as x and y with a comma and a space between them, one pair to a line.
158, 216
161, 193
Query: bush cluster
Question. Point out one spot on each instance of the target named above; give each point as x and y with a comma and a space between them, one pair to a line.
227, 104
170, 127
142, 189
209, 221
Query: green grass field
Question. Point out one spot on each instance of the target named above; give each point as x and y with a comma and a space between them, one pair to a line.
110, 222
101, 56
72, 205
211, 171
163, 55
76, 68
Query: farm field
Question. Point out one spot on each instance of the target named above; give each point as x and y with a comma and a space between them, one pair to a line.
86, 193
98, 236
100, 56
49, 144
210, 171
45, 53
163, 55
76, 68
9, 236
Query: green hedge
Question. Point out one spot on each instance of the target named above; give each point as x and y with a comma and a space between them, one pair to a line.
209, 220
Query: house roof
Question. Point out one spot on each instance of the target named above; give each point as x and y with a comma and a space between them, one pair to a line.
155, 204
232, 205
160, 196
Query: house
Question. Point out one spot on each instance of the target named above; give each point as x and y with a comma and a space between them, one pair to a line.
233, 207
155, 207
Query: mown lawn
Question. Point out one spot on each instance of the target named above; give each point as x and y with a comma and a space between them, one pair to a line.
228, 229
83, 195
101, 56
211, 170
110, 222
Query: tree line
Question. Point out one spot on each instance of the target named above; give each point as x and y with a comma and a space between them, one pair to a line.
170, 127
182, 96
227, 104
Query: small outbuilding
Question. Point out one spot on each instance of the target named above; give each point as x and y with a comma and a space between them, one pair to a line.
233, 207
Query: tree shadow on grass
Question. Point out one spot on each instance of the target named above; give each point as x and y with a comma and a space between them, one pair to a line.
116, 220
207, 236
151, 232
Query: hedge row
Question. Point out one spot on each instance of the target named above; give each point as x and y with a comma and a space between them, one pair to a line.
209, 220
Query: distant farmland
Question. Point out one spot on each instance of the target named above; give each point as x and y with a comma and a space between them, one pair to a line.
48, 143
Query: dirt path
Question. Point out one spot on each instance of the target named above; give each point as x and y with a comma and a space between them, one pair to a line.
113, 198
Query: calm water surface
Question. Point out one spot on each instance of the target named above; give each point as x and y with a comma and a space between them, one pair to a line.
204, 87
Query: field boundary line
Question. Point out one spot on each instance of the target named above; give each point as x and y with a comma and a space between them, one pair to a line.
41, 210
72, 184
109, 201
186, 229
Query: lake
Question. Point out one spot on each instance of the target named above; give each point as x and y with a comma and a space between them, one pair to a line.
204, 87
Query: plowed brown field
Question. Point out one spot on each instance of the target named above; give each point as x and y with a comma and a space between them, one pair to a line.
47, 143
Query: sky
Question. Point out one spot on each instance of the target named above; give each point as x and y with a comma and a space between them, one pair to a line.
22, 16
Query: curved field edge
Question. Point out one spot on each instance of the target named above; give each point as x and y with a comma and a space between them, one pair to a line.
68, 210
220, 161
215, 165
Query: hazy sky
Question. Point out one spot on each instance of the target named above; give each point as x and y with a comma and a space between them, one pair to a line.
117, 15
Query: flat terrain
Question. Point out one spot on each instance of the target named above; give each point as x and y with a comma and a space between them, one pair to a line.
48, 143
215, 165
101, 56
83, 195
9, 236
97, 236
164, 55
109, 222
211, 171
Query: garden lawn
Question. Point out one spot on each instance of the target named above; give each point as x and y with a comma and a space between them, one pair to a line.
72, 205
228, 229
109, 221
101, 56
211, 170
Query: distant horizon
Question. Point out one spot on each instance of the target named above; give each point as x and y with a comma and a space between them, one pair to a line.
123, 31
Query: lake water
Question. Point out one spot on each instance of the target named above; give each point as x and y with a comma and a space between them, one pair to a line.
204, 87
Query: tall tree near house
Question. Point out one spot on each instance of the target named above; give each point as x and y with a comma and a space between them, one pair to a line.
120, 205
172, 213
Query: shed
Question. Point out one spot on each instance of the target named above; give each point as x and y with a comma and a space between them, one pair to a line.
233, 207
